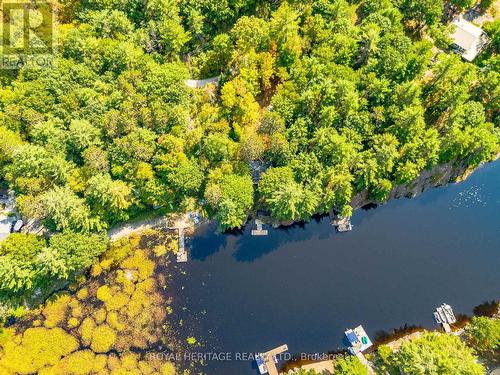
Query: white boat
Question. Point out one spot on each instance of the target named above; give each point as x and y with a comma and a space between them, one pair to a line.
444, 314
437, 318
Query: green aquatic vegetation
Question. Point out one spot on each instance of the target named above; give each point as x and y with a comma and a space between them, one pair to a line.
114, 321
140, 262
35, 349
87, 330
160, 250
117, 251
104, 293
93, 329
77, 363
76, 308
82, 294
173, 246
73, 322
103, 339
100, 315
117, 301
127, 279
56, 310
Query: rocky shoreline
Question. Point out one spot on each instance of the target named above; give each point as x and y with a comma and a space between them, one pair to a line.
439, 175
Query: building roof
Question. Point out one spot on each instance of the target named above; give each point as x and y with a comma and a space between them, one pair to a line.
470, 38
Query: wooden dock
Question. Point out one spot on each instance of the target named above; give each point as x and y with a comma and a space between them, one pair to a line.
343, 224
268, 358
259, 231
182, 256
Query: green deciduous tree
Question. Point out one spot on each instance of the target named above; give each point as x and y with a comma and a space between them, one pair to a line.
186, 177
9, 141
436, 353
78, 251
28, 262
286, 199
62, 209
250, 33
82, 134
350, 366
109, 198
284, 32
23, 247
31, 162
231, 199
421, 12
484, 333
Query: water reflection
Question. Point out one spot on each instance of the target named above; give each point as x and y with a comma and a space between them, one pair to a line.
304, 285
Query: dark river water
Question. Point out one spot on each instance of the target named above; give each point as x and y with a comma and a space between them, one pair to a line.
304, 285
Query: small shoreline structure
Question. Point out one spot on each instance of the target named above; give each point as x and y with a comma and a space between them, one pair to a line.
267, 361
468, 39
184, 223
182, 256
259, 231
341, 223
358, 342
444, 315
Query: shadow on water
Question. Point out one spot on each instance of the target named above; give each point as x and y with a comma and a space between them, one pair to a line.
204, 243
303, 285
251, 248
369, 206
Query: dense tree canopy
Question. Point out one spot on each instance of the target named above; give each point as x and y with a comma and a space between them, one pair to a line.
436, 353
350, 366
327, 98
29, 262
484, 333
332, 97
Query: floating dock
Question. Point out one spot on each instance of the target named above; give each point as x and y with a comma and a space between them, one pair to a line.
259, 231
182, 256
357, 339
343, 224
444, 315
358, 342
267, 361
